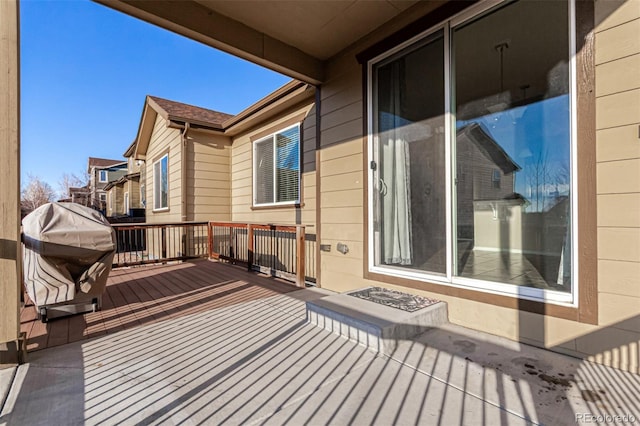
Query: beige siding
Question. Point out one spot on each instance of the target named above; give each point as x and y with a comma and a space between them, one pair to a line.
242, 172
134, 193
618, 177
164, 140
208, 177
342, 180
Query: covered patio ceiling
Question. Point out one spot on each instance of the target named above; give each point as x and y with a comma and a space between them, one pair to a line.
291, 37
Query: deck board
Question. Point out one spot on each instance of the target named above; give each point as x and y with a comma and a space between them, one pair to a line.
146, 294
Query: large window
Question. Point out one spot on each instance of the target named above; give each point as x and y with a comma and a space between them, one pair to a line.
471, 146
276, 168
161, 184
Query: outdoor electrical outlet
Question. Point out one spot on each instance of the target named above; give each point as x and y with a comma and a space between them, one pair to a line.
325, 247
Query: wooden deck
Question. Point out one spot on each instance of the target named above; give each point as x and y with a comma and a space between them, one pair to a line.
146, 294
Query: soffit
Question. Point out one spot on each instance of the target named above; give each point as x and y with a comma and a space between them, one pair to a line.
320, 29
291, 37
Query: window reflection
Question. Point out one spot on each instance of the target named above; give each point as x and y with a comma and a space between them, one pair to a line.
513, 146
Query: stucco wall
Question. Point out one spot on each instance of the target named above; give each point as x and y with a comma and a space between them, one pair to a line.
616, 340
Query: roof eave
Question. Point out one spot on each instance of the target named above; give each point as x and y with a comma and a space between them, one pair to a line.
288, 95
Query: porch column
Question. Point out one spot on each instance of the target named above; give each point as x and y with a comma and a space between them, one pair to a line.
10, 249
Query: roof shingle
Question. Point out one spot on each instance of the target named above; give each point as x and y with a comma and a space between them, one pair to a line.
191, 113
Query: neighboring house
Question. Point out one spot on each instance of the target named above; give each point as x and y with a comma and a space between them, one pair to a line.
209, 156
102, 171
539, 98
185, 157
212, 157
125, 198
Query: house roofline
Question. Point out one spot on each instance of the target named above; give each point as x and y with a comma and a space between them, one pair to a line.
175, 117
279, 100
131, 150
124, 163
272, 98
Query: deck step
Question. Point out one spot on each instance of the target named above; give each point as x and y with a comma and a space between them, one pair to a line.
378, 326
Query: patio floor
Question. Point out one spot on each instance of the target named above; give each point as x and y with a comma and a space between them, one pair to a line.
148, 294
261, 362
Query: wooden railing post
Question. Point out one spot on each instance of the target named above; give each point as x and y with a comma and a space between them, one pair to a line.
250, 246
300, 264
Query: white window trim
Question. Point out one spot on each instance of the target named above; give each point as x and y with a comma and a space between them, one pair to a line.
126, 203
253, 169
510, 290
153, 189
106, 176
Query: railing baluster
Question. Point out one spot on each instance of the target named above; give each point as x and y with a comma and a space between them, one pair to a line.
159, 243
282, 250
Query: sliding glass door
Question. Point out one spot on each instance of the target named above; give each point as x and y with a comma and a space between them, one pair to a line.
471, 147
409, 125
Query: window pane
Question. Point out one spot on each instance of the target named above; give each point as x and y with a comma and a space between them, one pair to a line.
164, 182
513, 146
156, 185
264, 172
288, 164
409, 181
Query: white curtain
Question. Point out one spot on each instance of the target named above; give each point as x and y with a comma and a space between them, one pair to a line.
395, 182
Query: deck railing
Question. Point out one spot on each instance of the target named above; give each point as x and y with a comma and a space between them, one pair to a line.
144, 243
279, 250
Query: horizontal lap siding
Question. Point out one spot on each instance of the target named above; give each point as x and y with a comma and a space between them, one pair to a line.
618, 183
242, 173
342, 179
163, 140
209, 177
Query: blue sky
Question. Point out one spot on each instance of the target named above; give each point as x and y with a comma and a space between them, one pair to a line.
85, 70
